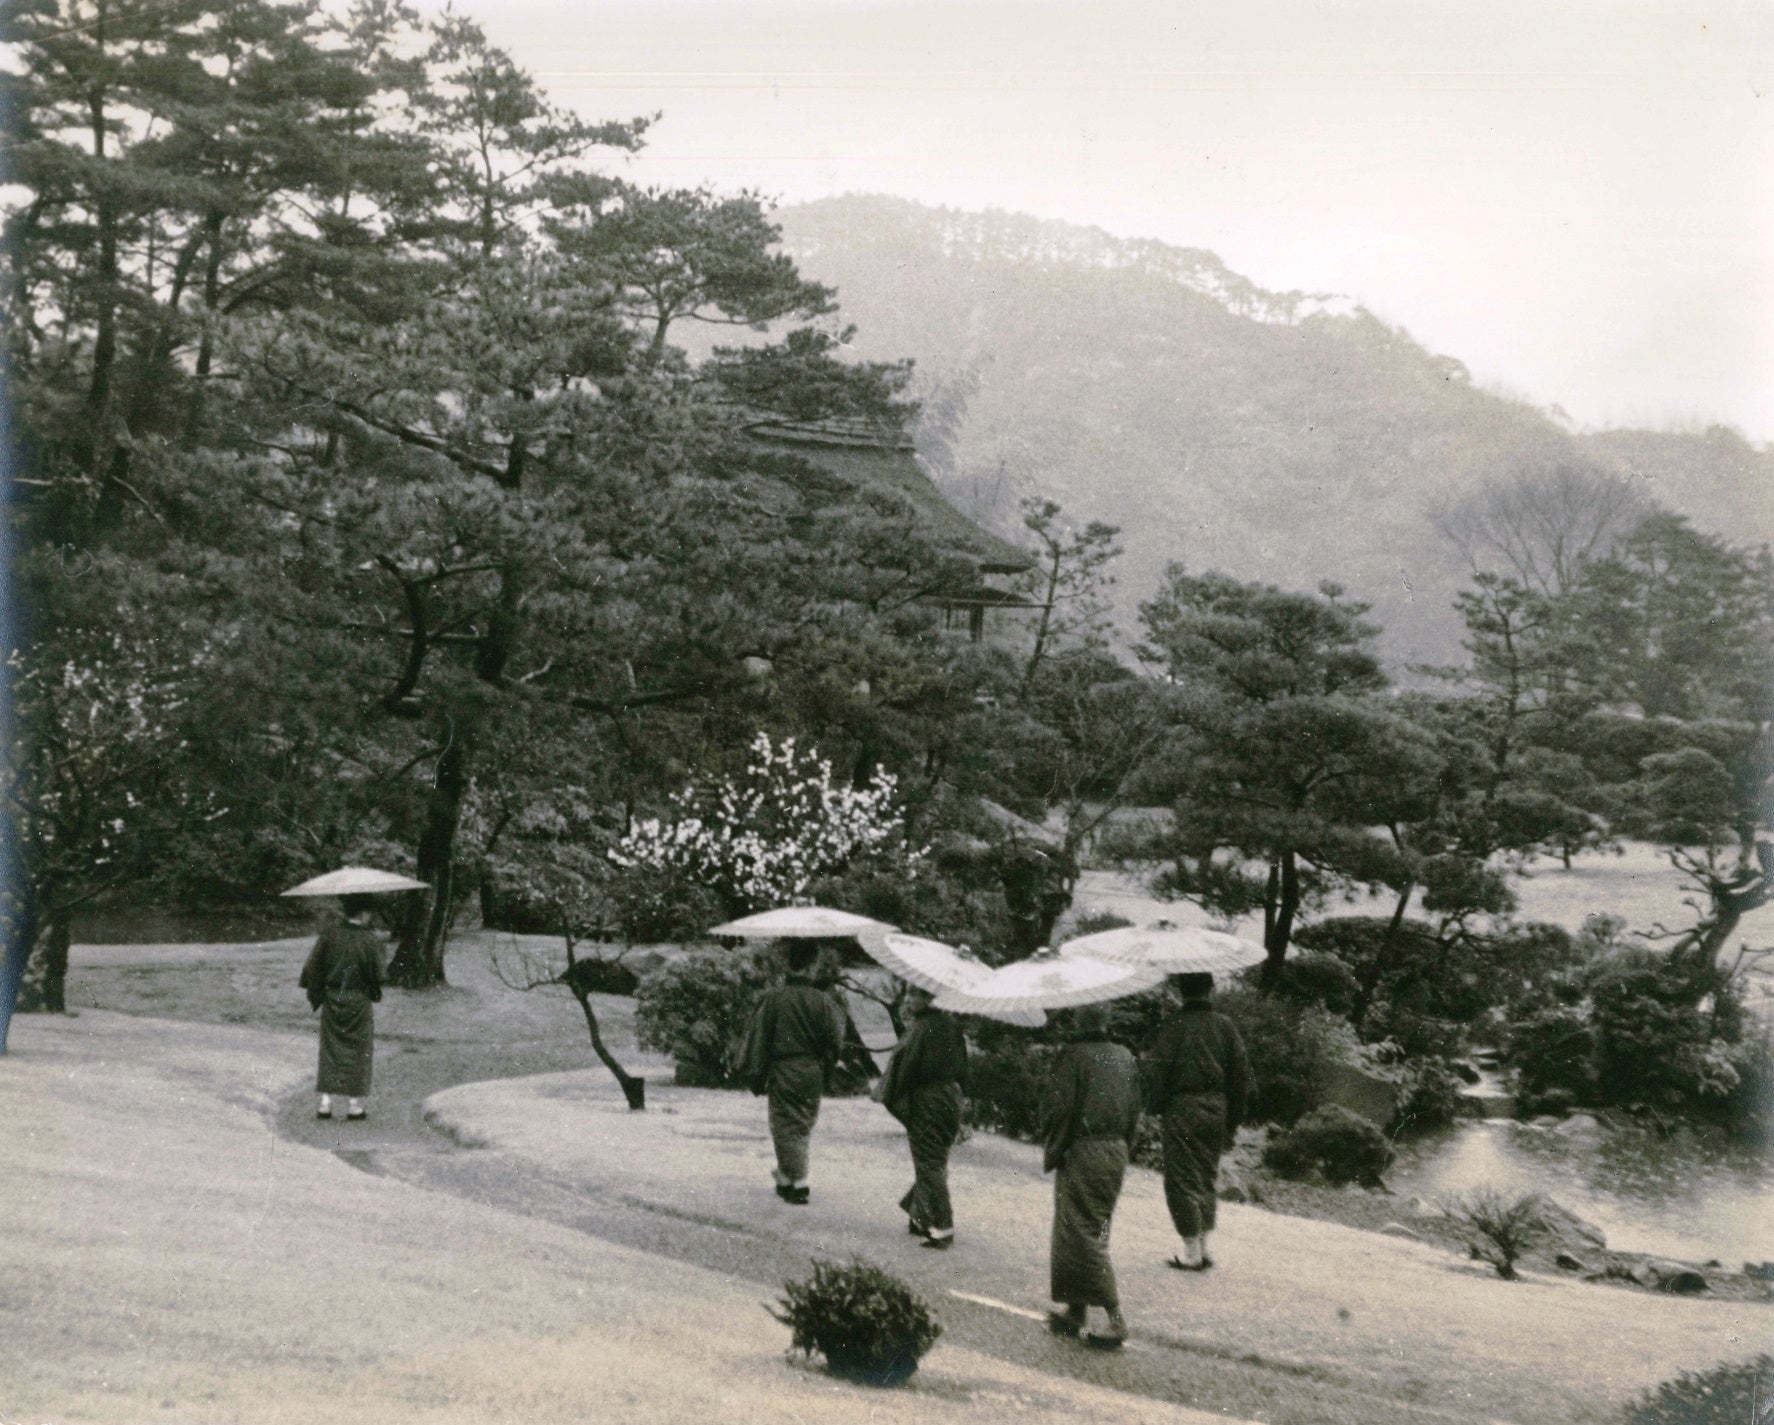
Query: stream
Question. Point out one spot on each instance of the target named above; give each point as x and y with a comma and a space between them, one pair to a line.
1675, 1197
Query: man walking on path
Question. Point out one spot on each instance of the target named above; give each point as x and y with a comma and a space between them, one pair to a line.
789, 1054
1197, 1076
1091, 1115
343, 978
925, 1084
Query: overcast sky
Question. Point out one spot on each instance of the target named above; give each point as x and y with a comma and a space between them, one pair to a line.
1574, 197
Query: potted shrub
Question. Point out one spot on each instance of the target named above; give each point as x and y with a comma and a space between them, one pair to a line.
867, 1323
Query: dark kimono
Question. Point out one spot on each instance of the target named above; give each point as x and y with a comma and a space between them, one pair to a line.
343, 978
1091, 1115
1197, 1077
925, 1085
790, 1050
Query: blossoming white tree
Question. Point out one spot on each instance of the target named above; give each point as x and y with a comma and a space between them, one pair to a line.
761, 838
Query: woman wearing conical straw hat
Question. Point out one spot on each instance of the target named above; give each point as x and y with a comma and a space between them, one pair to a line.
343, 978
1197, 1075
1091, 1115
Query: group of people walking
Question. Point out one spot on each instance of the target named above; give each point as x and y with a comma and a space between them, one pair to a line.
1194, 1076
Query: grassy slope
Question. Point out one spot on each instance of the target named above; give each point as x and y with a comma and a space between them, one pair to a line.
1377, 1316
167, 1258
189, 1270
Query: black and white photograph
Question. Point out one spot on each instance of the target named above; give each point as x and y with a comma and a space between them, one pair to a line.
887, 712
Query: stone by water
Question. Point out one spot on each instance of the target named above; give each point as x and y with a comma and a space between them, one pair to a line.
1677, 1197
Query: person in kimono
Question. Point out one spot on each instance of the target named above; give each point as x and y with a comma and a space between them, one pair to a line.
790, 1051
1089, 1120
1197, 1079
926, 1082
343, 978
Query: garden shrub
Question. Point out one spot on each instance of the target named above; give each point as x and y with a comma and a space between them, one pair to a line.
655, 907
1134, 1020
1291, 1051
1737, 1393
1009, 1086
1332, 1141
1424, 988
1319, 978
1429, 1096
1649, 1034
1554, 1102
1417, 1036
868, 1324
698, 1008
1501, 1227
1553, 1050
937, 902
1750, 1107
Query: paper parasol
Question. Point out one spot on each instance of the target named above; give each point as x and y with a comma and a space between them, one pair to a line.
933, 966
356, 881
1170, 949
1050, 982
800, 922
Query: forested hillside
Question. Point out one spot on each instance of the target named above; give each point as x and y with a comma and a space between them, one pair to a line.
1289, 437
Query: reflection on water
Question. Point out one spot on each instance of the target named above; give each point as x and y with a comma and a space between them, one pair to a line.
1671, 1197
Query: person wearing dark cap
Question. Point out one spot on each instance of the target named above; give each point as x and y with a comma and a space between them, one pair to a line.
1088, 1124
343, 978
790, 1051
1197, 1078
924, 1088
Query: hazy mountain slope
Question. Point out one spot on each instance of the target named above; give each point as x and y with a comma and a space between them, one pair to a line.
1287, 437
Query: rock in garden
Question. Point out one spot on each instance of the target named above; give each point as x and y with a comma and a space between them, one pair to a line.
1568, 1232
1682, 1283
1569, 1263
1580, 1125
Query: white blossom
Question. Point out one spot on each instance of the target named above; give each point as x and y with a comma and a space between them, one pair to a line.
764, 836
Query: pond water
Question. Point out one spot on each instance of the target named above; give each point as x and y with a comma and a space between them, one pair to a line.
1675, 1197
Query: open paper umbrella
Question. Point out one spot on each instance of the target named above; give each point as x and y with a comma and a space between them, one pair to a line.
356, 881
933, 966
1050, 982
800, 922
1170, 949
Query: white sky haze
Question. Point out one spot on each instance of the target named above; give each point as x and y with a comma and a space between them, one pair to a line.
1574, 198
